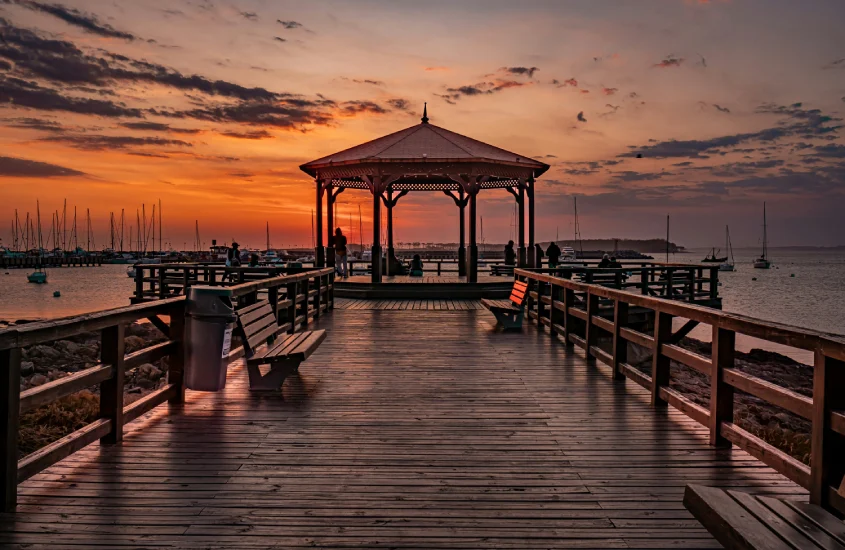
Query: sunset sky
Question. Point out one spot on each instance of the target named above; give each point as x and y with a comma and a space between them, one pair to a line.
211, 106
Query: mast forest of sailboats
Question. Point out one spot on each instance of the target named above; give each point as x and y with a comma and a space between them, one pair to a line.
763, 261
39, 276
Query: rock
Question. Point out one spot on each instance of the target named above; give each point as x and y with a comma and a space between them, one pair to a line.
38, 380
27, 368
67, 347
44, 352
42, 369
146, 384
148, 371
134, 343
133, 390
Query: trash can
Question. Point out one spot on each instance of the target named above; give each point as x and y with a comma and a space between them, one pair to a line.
208, 337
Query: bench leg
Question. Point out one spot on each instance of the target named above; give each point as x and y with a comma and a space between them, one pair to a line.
509, 320
275, 377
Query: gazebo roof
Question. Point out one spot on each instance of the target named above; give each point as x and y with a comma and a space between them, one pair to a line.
424, 143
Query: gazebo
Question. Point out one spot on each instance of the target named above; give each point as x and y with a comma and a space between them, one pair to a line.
425, 157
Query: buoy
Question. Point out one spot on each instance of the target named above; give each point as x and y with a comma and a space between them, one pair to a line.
57, 294
792, 274
753, 278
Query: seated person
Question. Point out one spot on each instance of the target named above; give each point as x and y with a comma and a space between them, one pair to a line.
416, 266
614, 263
605, 261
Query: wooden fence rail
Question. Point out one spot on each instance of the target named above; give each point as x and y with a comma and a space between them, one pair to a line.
296, 298
570, 308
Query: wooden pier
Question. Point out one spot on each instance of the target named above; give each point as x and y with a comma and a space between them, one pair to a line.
419, 427
32, 262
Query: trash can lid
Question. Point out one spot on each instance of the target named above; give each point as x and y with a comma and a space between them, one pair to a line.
210, 291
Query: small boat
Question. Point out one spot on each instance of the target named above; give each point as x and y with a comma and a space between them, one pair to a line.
763, 261
131, 272
38, 277
728, 265
712, 259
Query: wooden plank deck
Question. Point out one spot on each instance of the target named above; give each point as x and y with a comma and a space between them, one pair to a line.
404, 430
427, 279
403, 304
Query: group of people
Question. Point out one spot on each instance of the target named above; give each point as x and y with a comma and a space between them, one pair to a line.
553, 252
609, 261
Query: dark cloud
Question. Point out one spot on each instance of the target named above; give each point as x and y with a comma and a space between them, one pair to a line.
482, 88
669, 61
399, 104
101, 143
520, 71
23, 168
581, 117
251, 15
256, 134
279, 39
74, 17
158, 127
289, 24
609, 91
831, 151
568, 82
631, 175
5, 66
358, 107
369, 81
721, 109
837, 64
39, 124
291, 114
21, 93
796, 122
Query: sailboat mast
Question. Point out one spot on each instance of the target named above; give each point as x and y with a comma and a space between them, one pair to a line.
765, 234
360, 231
268, 237
667, 238
160, 247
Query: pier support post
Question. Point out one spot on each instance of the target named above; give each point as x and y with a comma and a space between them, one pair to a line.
390, 252
319, 252
112, 350
10, 394
330, 196
826, 465
520, 201
721, 394
375, 187
659, 362
472, 267
462, 248
532, 259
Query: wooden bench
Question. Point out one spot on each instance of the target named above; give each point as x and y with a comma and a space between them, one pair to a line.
500, 269
744, 521
258, 325
509, 313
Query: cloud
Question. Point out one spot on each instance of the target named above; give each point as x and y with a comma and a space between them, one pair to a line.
21, 93
251, 15
631, 175
520, 71
581, 117
721, 109
279, 39
482, 88
831, 151
90, 142
796, 121
39, 124
609, 91
430, 69
5, 66
670, 61
158, 127
23, 168
568, 82
256, 134
369, 81
837, 64
358, 106
74, 17
399, 104
290, 24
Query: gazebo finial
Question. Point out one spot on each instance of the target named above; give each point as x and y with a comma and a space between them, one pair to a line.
425, 113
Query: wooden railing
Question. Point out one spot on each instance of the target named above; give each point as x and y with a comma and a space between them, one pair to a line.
297, 299
159, 281
581, 313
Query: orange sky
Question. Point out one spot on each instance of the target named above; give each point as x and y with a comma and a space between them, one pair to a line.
211, 106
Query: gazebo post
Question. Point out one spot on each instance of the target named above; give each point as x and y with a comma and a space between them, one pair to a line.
532, 254
472, 268
390, 206
521, 204
319, 252
376, 250
330, 196
462, 249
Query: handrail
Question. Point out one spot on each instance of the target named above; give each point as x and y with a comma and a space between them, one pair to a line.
553, 303
295, 299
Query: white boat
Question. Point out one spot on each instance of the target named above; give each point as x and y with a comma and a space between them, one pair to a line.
763, 261
728, 265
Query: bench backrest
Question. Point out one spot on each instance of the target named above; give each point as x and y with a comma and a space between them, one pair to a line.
257, 323
519, 292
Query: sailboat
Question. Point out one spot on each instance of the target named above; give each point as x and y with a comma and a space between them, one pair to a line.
728, 265
39, 276
763, 261
712, 259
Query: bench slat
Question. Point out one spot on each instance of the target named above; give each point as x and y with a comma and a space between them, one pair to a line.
271, 330
774, 522
259, 325
729, 523
255, 313
310, 344
830, 524
248, 309
804, 524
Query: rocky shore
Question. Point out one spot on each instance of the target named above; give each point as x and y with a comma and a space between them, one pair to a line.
784, 430
44, 363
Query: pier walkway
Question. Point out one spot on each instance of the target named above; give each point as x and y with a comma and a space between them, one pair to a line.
406, 429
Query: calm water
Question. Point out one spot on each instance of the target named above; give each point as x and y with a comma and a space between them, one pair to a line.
814, 298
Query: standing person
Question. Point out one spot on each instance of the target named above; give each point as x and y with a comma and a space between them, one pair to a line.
233, 256
340, 253
538, 255
253, 260
510, 254
553, 252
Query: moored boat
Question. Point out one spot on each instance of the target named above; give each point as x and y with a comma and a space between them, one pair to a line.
763, 261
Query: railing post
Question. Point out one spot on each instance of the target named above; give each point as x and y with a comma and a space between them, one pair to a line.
590, 333
670, 283
273, 299
659, 362
318, 284
176, 360
162, 273
691, 284
330, 294
568, 300
554, 313
438, 268
291, 312
828, 447
721, 394
644, 281
10, 393
111, 390
541, 307
700, 283
714, 283
303, 286
139, 284
620, 345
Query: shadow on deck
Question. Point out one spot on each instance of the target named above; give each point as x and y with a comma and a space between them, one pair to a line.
411, 429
